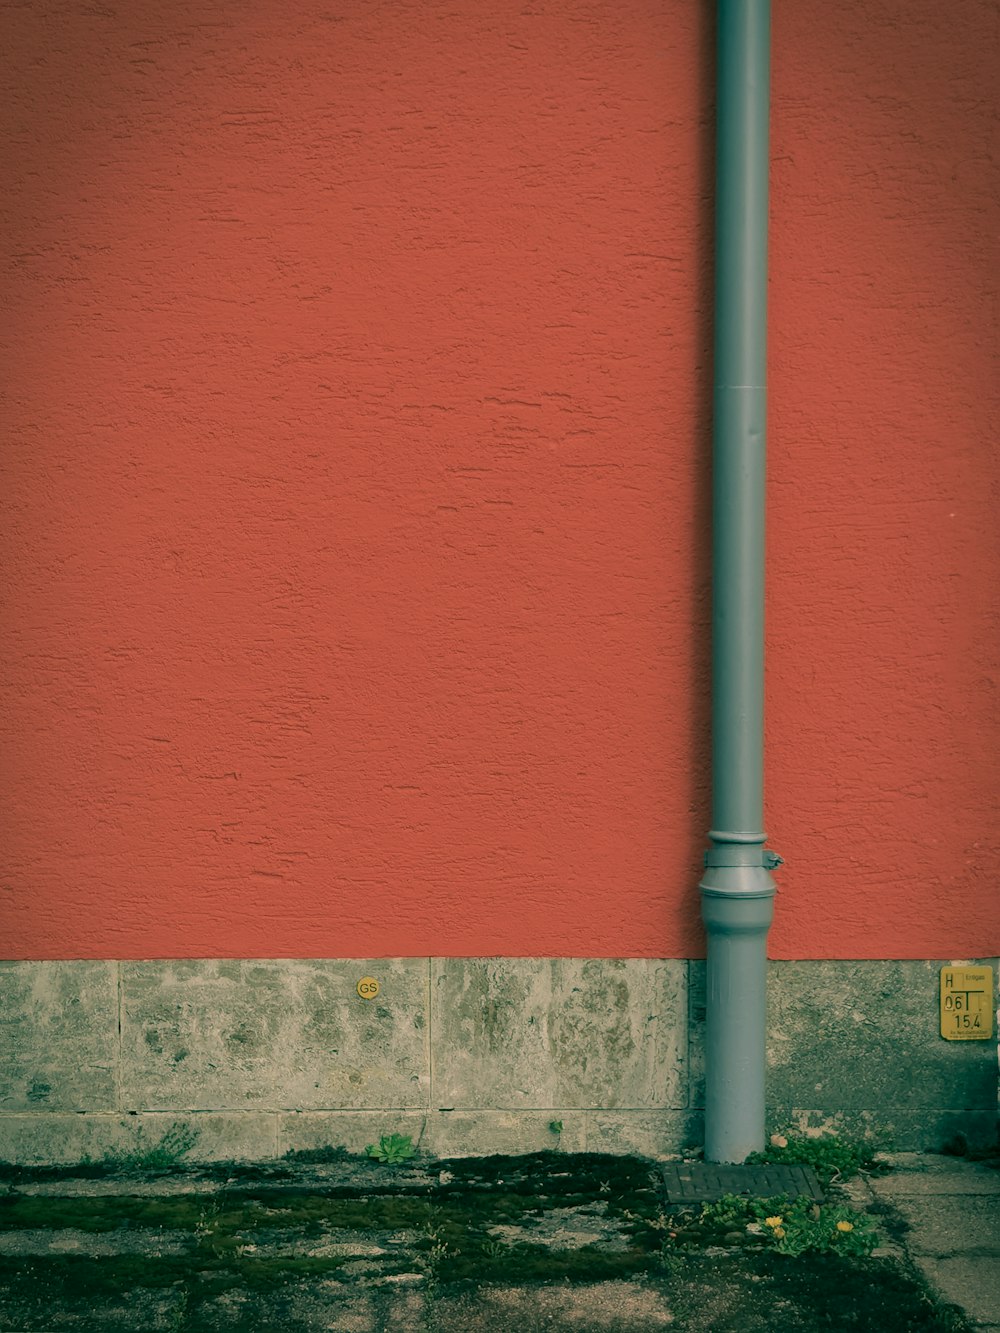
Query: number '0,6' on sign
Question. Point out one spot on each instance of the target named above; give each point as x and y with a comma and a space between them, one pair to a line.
967, 1003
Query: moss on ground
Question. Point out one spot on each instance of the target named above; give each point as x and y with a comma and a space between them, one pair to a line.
445, 1228
732, 1293
225, 1213
75, 1276
853, 1294
525, 1263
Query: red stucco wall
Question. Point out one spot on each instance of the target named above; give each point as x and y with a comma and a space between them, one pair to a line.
355, 478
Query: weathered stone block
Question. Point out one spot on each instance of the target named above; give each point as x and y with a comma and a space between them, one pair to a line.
35, 1139
40, 1139
238, 1136
696, 1033
273, 1034
353, 1130
558, 1032
483, 1133
651, 1134
58, 1036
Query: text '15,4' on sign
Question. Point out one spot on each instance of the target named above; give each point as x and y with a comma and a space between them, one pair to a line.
967, 1003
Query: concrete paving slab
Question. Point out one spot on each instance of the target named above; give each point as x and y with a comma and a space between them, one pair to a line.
142, 1310
969, 1282
117, 1187
310, 1308
600, 1307
962, 1178
89, 1244
944, 1224
926, 1163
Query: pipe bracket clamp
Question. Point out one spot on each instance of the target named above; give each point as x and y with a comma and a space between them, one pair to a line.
736, 854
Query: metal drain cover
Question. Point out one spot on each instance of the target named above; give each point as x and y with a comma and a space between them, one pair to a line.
700, 1182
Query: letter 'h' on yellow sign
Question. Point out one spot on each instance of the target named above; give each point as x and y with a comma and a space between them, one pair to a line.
966, 1003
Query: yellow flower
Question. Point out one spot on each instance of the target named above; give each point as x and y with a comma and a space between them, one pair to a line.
773, 1221
779, 1232
845, 1226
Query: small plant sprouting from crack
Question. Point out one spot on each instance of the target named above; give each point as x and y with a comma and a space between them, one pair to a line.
433, 1259
174, 1145
208, 1228
392, 1149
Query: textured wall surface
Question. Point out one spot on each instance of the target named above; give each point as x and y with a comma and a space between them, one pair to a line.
355, 478
470, 1055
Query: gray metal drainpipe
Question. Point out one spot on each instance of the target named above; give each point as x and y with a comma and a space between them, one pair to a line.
737, 889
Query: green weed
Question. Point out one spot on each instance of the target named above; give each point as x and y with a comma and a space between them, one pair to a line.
175, 1144
788, 1226
831, 1157
392, 1149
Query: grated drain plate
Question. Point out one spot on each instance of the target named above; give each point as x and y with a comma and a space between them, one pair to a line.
701, 1182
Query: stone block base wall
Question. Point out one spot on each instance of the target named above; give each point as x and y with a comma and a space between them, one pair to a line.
249, 1059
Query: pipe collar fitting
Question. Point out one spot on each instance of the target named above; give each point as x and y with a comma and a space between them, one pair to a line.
743, 855
737, 881
744, 909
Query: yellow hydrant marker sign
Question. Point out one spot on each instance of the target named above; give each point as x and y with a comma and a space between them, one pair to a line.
967, 1003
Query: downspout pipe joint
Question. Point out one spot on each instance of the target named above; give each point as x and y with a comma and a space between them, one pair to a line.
737, 908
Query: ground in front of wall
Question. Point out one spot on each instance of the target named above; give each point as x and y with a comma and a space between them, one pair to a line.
549, 1241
